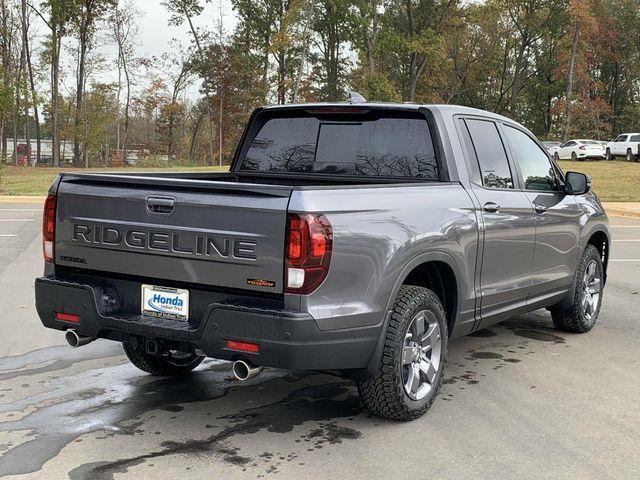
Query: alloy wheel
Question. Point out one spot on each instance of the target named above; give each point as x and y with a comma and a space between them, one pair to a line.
591, 285
421, 355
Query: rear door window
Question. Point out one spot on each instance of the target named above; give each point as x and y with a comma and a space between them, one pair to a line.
372, 146
491, 155
635, 138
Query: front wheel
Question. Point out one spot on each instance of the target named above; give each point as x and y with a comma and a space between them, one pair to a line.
413, 357
171, 364
556, 157
629, 155
587, 299
574, 157
608, 155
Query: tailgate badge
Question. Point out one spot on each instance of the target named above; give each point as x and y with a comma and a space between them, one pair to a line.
254, 282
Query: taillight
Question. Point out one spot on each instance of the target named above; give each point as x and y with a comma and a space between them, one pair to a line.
307, 253
582, 147
48, 227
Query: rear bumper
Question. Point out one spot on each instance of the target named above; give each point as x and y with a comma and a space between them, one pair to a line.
287, 339
591, 155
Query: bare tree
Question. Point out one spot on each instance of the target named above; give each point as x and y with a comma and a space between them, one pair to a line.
182, 10
124, 31
180, 74
89, 12
30, 76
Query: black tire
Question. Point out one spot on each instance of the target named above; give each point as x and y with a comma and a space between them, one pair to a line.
629, 155
577, 317
608, 155
556, 157
574, 157
162, 365
384, 394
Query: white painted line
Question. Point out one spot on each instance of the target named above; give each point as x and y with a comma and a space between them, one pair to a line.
624, 260
8, 234
17, 220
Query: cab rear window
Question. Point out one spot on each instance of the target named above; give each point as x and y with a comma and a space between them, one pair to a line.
397, 146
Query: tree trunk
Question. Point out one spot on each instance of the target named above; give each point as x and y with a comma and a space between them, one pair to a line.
32, 88
84, 33
206, 90
220, 129
282, 71
55, 81
569, 92
517, 76
303, 54
127, 105
194, 134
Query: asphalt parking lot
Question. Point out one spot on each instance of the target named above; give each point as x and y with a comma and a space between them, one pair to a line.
521, 400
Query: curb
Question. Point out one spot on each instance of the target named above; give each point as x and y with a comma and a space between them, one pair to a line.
31, 199
622, 209
614, 212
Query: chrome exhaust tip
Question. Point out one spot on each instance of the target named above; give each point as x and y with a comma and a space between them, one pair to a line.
75, 340
244, 370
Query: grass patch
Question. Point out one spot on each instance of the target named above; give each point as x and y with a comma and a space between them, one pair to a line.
36, 181
616, 181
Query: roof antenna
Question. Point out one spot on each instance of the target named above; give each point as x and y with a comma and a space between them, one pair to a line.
355, 97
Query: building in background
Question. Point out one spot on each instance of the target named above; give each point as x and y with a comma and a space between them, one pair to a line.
46, 152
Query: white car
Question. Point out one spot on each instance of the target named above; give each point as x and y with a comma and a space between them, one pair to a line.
624, 145
580, 150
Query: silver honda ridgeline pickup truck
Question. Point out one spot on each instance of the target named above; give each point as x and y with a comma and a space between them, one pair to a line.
357, 238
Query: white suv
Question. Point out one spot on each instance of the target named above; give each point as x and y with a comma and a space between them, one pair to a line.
625, 145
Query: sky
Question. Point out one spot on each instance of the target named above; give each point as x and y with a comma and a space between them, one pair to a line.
156, 34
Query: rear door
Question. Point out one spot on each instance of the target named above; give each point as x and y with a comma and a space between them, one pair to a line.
507, 223
169, 229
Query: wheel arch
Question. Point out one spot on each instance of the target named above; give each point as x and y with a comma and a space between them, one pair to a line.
600, 240
421, 266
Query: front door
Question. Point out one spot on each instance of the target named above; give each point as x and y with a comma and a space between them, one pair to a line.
557, 217
507, 224
620, 145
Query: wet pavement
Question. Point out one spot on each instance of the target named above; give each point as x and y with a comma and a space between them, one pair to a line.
520, 400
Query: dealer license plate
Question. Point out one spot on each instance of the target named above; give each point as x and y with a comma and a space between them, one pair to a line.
165, 302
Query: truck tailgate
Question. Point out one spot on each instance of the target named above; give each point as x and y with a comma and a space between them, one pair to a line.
171, 229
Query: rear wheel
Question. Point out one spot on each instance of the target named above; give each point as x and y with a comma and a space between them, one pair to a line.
171, 364
583, 314
413, 357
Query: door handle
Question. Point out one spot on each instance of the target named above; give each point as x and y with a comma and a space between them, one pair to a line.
161, 205
491, 207
540, 208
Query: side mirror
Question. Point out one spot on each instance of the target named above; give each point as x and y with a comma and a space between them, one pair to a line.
576, 183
